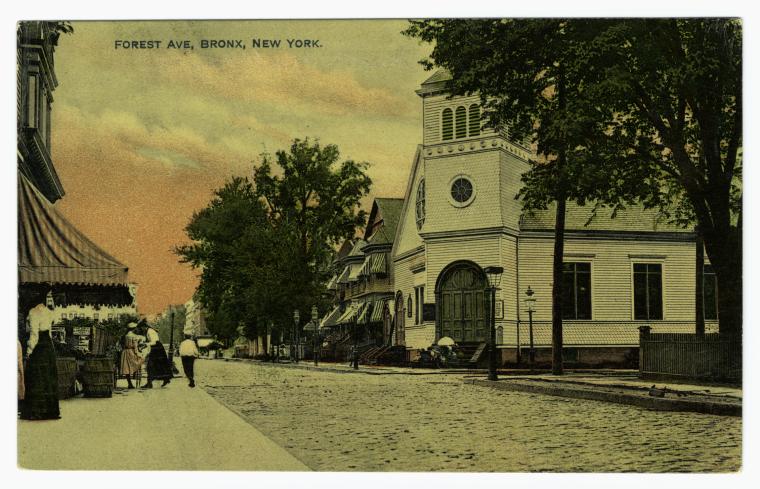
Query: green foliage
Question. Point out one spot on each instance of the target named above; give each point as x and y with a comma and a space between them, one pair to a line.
261, 244
165, 322
651, 114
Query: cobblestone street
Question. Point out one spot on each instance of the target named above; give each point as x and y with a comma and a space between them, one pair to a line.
348, 422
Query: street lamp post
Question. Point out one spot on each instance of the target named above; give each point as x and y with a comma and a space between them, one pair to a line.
355, 351
494, 278
270, 339
296, 319
530, 303
314, 318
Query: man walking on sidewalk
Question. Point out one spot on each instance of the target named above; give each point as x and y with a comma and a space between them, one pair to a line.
188, 352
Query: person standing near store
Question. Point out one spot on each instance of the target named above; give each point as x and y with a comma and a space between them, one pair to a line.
20, 375
41, 376
130, 361
188, 352
158, 363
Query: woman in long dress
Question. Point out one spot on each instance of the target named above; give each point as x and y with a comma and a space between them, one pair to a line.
20, 375
130, 362
41, 376
159, 367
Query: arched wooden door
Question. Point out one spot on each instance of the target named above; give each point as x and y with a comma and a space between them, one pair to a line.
398, 318
460, 294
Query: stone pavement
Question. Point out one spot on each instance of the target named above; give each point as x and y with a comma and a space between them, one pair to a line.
439, 422
619, 386
171, 428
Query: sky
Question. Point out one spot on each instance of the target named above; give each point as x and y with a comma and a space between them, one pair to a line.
142, 137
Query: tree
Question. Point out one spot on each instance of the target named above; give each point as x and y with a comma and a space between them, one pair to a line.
261, 247
652, 115
216, 250
530, 80
314, 203
676, 85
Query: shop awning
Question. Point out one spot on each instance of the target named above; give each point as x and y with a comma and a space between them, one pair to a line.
364, 271
348, 315
331, 319
377, 311
353, 276
363, 313
51, 250
343, 279
378, 263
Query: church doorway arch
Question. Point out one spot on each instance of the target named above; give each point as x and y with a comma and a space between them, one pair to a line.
460, 299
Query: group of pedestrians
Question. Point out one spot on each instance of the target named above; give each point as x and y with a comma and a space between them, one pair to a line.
140, 336
38, 372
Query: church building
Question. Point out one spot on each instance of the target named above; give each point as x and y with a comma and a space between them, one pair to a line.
460, 215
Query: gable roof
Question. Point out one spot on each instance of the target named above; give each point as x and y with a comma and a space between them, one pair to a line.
407, 197
390, 212
438, 82
634, 218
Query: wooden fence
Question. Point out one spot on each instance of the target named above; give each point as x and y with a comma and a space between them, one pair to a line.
688, 355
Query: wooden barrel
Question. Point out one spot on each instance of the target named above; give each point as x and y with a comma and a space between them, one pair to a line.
67, 373
97, 377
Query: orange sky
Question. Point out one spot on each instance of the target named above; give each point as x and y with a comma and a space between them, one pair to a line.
142, 137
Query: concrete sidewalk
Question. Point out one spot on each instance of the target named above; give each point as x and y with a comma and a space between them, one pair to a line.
170, 428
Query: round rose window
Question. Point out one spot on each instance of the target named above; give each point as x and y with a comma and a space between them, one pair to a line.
461, 190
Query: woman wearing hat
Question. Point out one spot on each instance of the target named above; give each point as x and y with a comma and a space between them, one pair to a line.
159, 367
131, 361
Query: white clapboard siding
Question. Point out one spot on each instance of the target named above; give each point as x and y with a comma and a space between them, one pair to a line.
512, 169
482, 168
482, 250
611, 274
509, 287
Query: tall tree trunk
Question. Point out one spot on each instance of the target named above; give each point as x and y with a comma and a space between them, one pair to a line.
559, 251
724, 250
699, 310
559, 240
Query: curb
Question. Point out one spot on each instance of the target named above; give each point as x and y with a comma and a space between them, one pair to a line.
366, 370
644, 401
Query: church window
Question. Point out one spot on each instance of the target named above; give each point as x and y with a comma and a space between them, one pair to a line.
462, 191
576, 291
710, 293
474, 120
447, 124
420, 204
409, 305
461, 122
647, 291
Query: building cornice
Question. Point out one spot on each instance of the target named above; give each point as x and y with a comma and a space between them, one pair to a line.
461, 233
476, 145
613, 235
409, 254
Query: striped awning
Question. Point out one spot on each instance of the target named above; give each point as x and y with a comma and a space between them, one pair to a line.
377, 311
353, 276
333, 283
348, 315
331, 319
378, 263
364, 271
363, 313
51, 250
343, 279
